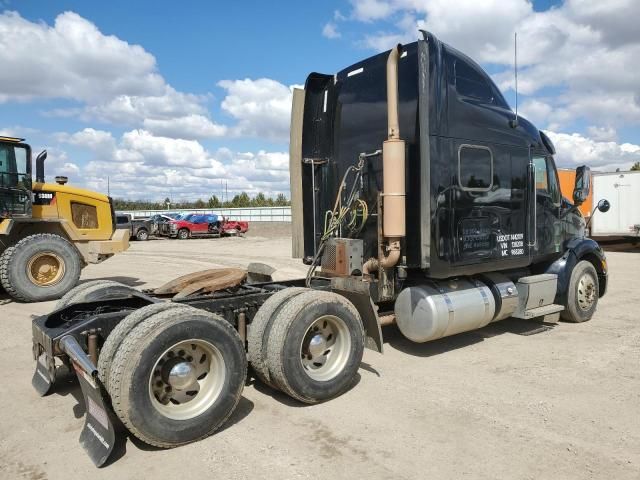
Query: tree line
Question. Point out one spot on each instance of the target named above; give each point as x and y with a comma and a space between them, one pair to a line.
241, 200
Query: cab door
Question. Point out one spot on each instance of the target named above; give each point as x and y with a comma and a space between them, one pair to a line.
489, 213
547, 226
199, 224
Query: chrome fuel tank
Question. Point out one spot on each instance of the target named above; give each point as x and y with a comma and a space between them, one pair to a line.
442, 308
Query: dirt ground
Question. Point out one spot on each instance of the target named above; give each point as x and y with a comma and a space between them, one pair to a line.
515, 400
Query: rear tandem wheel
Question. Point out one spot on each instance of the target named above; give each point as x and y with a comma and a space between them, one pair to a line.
177, 376
258, 331
315, 346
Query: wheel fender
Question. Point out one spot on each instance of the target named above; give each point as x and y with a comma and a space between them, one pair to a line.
357, 292
578, 249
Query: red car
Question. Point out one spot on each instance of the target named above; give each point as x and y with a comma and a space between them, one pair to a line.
195, 225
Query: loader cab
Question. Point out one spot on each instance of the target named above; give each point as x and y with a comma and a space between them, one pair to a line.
15, 178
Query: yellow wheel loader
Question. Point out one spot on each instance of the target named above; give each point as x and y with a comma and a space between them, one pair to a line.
48, 231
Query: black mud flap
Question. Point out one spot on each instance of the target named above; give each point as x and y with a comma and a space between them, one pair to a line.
98, 435
42, 379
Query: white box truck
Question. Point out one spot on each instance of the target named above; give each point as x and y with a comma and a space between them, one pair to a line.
622, 190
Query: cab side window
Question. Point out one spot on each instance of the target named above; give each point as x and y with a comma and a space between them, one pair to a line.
546, 178
554, 185
4, 166
13, 167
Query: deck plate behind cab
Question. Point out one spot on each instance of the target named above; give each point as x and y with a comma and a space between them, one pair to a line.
206, 281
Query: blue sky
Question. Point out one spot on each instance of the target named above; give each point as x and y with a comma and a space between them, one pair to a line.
170, 100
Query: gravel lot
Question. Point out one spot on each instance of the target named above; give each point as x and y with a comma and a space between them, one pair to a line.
515, 400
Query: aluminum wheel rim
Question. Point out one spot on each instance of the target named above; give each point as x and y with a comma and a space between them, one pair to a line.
586, 292
325, 348
187, 379
45, 269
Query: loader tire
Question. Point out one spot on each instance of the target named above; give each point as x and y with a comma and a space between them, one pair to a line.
118, 334
40, 267
583, 293
259, 329
93, 291
315, 346
177, 376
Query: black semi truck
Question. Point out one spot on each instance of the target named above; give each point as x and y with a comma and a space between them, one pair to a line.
419, 199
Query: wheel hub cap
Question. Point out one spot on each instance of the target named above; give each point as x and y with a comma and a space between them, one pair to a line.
586, 292
182, 375
317, 345
187, 379
325, 348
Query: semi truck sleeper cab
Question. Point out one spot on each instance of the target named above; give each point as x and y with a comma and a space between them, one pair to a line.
418, 198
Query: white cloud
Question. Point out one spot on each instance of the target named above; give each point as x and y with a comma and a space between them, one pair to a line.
97, 141
262, 107
537, 111
118, 83
132, 110
18, 131
71, 59
338, 16
142, 165
188, 127
368, 10
330, 30
114, 81
602, 134
575, 149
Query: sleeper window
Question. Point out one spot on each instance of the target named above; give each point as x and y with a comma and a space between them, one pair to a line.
475, 168
470, 83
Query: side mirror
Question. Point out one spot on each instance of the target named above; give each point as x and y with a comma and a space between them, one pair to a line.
582, 187
603, 206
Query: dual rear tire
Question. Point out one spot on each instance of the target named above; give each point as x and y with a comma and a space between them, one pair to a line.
174, 373
307, 343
